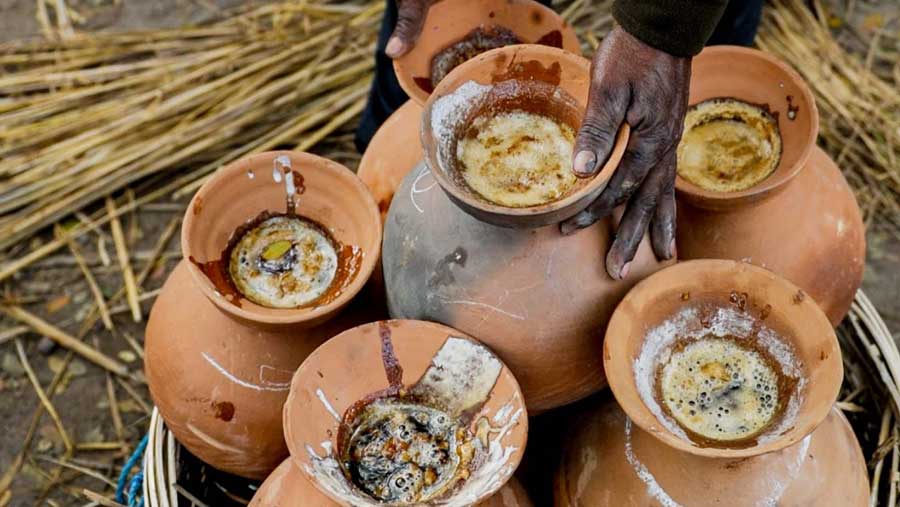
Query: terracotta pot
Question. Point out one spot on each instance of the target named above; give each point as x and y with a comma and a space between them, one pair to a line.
450, 21
405, 360
394, 151
537, 298
611, 462
287, 487
219, 367
796, 459
801, 222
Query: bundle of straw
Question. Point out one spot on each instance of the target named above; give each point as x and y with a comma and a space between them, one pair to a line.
858, 99
85, 116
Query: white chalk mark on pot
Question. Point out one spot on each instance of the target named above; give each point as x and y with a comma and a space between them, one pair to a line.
212, 442
781, 483
414, 189
483, 305
243, 383
643, 473
321, 395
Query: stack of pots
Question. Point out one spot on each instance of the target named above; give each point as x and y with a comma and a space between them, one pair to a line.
262, 392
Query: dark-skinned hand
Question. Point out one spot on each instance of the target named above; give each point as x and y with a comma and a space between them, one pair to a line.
648, 89
630, 82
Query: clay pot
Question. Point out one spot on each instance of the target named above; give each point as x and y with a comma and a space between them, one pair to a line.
287, 487
610, 462
394, 151
219, 367
451, 21
537, 298
801, 222
796, 460
412, 360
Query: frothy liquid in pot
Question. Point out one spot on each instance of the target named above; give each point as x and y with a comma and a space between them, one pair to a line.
518, 159
405, 453
284, 262
720, 390
728, 145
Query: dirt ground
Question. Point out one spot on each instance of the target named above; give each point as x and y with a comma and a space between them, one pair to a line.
60, 292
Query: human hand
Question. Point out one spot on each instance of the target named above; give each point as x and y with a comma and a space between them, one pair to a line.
410, 18
648, 89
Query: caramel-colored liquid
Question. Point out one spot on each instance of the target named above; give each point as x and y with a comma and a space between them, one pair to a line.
728, 145
405, 453
721, 390
284, 262
518, 159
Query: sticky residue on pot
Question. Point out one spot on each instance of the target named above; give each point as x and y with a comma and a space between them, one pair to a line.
428, 443
283, 260
509, 143
477, 41
719, 377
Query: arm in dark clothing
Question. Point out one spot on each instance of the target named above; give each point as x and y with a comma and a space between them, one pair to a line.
678, 27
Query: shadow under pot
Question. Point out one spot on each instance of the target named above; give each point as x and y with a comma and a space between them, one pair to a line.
727, 376
456, 30
474, 248
401, 413
275, 246
753, 186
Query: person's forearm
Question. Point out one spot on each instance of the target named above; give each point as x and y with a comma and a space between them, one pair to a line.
678, 27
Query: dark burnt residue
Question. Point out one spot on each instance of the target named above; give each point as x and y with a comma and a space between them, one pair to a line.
476, 42
552, 38
197, 208
443, 270
223, 410
392, 368
739, 299
424, 83
799, 297
685, 296
537, 16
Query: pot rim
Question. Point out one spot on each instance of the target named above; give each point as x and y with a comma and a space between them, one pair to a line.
445, 13
285, 316
618, 361
531, 216
782, 175
429, 331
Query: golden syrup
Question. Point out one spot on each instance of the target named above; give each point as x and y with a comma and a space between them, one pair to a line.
518, 159
728, 145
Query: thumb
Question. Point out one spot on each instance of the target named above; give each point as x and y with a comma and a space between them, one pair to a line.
410, 18
606, 108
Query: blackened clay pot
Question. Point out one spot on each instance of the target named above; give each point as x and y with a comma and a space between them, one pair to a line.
638, 455
803, 221
219, 369
506, 276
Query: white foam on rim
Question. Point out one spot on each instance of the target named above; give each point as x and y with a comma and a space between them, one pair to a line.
685, 324
448, 112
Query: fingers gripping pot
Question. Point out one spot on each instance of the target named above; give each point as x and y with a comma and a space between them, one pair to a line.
767, 388
505, 274
802, 220
404, 413
219, 363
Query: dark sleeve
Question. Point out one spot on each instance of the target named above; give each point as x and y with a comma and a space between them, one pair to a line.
678, 27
